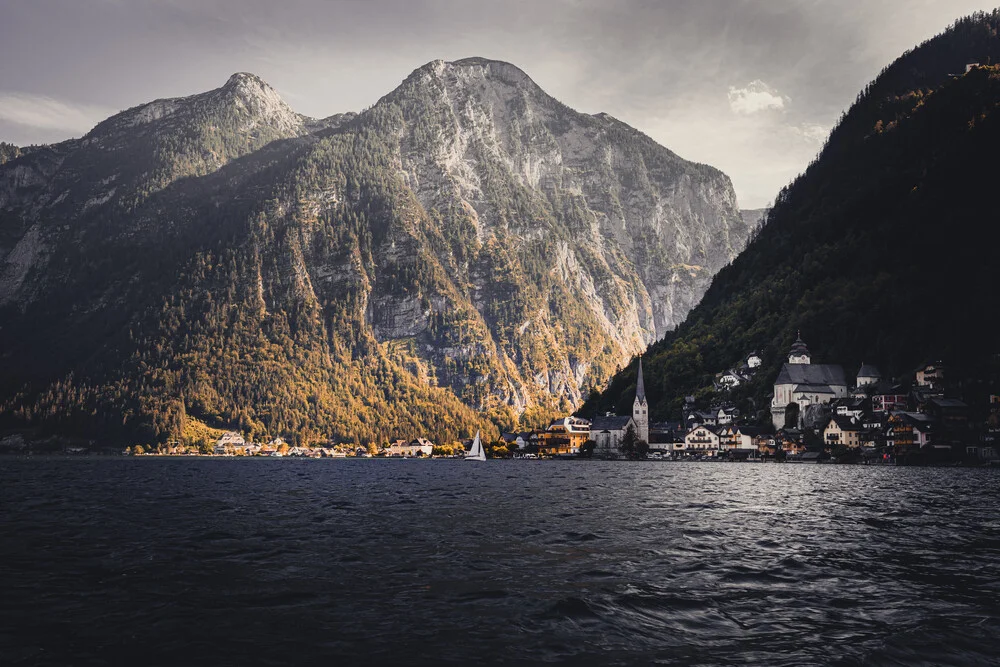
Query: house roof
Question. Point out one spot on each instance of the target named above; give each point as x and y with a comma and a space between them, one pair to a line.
666, 426
828, 374
948, 403
928, 364
813, 389
612, 423
845, 423
869, 371
750, 430
915, 419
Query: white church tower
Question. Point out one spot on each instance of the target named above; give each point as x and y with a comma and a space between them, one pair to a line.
799, 354
640, 409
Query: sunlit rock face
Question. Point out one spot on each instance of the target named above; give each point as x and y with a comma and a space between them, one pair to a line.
580, 205
467, 231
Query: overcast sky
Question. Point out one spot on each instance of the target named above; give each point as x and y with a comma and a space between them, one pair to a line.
749, 86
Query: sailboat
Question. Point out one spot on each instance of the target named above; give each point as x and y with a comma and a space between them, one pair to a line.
477, 453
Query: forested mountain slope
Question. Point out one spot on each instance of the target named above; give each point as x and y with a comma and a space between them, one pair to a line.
885, 250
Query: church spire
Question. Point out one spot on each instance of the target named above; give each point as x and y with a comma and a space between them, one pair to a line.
640, 386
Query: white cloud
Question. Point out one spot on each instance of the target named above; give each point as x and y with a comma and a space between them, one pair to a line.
46, 113
755, 96
811, 133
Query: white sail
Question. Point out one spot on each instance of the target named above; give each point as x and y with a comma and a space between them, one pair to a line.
477, 453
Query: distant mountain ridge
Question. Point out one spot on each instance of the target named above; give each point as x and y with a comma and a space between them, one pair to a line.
467, 245
878, 253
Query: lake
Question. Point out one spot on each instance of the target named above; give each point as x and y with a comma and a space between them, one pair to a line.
210, 561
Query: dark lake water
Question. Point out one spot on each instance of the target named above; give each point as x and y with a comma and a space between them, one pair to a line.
156, 561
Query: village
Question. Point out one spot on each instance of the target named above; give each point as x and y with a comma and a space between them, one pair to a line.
815, 415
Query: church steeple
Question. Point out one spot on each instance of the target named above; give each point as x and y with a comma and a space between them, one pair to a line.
640, 409
640, 387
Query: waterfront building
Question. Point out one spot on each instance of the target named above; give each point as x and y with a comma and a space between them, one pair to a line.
412, 448
701, 441
228, 443
746, 437
607, 432
843, 430
564, 436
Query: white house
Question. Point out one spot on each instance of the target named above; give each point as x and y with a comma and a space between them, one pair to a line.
228, 442
418, 447
701, 440
729, 379
746, 438
753, 360
726, 416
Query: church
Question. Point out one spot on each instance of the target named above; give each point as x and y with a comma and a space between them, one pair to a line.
805, 383
607, 432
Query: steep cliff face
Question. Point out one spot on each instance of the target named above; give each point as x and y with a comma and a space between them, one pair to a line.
587, 214
467, 244
481, 134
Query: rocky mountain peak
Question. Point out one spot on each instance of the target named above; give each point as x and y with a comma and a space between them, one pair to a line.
244, 96
473, 74
253, 96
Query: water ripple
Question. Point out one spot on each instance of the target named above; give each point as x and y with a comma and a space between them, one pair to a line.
207, 561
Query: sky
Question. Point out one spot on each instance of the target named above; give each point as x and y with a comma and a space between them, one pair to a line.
752, 87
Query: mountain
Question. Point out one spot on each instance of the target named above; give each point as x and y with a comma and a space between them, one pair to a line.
883, 251
753, 218
466, 246
8, 152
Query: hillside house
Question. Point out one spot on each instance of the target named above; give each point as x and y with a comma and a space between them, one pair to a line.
701, 418
851, 407
729, 380
726, 415
950, 412
930, 375
889, 402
